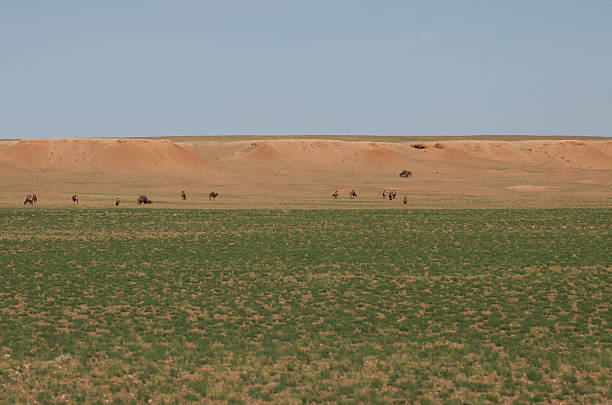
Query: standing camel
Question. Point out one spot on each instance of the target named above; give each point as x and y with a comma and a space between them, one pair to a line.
28, 200
405, 200
117, 201
183, 195
75, 199
34, 198
352, 194
335, 195
212, 195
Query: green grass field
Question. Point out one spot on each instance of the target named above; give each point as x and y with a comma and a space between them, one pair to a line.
253, 306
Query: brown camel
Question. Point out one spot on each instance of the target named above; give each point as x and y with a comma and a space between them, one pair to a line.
34, 199
212, 195
183, 195
384, 194
28, 200
392, 195
405, 200
117, 201
352, 194
143, 199
406, 173
335, 195
75, 199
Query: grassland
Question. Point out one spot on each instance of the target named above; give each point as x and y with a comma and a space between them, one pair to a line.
253, 306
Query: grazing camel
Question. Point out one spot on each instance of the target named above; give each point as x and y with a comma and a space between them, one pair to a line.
352, 194
117, 201
28, 200
212, 195
75, 199
405, 173
143, 199
405, 200
183, 195
34, 199
335, 195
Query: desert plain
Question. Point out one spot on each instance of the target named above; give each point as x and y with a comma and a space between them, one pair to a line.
303, 172
492, 284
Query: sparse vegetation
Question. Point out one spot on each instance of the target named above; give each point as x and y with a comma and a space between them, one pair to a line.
273, 306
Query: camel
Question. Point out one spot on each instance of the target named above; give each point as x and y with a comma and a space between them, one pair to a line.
183, 195
405, 173
34, 199
418, 146
335, 195
212, 195
28, 200
438, 146
75, 199
392, 195
117, 201
143, 199
352, 194
384, 194
405, 200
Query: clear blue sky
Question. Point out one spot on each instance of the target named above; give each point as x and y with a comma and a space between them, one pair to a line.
146, 68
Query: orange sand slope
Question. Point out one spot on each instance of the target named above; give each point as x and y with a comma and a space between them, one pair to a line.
104, 156
285, 172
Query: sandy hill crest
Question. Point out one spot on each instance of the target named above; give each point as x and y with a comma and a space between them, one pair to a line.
127, 156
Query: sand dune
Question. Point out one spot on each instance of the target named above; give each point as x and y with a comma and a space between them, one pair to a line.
304, 172
112, 156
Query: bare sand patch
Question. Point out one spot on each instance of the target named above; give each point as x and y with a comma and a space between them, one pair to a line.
531, 187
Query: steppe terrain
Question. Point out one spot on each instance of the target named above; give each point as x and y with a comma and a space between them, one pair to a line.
303, 172
176, 306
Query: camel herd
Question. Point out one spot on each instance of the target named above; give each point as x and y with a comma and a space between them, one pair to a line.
142, 199
391, 194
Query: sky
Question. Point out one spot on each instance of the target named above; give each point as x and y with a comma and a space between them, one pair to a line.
431, 67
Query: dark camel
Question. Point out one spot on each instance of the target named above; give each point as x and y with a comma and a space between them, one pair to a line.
143, 199
406, 173
183, 195
28, 200
117, 201
34, 198
405, 200
352, 194
212, 195
335, 195
75, 199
